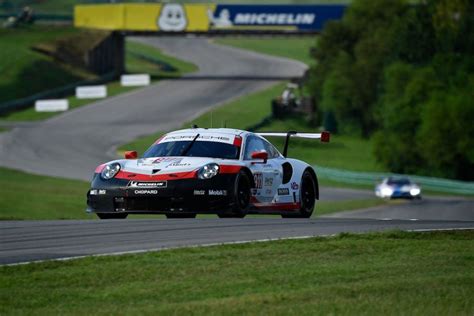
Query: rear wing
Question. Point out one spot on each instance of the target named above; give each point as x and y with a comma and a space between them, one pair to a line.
323, 136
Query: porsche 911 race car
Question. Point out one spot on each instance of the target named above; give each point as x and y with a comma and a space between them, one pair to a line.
398, 188
220, 171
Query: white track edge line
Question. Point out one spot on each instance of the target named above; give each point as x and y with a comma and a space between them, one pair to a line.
140, 251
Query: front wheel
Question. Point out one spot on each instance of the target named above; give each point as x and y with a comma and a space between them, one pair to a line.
241, 197
112, 215
307, 197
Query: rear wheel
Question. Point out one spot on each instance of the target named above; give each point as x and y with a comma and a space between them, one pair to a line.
181, 215
307, 197
112, 215
241, 197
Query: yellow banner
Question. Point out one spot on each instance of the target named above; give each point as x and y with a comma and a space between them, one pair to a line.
168, 17
176, 17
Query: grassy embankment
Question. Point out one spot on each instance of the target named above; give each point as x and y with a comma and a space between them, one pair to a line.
380, 273
294, 48
138, 58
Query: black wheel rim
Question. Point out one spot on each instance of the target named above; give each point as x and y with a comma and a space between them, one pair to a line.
243, 193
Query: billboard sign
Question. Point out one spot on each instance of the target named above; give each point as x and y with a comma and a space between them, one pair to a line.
174, 17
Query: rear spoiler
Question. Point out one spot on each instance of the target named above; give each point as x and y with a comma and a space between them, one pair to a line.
323, 136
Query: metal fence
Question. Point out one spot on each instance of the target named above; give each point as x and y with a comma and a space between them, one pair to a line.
371, 178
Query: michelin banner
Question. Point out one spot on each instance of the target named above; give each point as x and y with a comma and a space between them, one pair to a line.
173, 17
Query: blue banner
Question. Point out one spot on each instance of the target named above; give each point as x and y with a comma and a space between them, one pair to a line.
292, 17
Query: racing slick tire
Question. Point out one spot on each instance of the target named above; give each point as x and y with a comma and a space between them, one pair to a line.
307, 197
112, 215
182, 215
241, 197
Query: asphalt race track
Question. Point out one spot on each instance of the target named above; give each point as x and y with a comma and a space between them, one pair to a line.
25, 241
71, 145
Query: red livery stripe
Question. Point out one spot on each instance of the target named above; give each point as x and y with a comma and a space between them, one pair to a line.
229, 169
100, 168
154, 177
238, 141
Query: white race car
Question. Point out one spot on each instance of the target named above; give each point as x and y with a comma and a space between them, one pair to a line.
398, 188
221, 171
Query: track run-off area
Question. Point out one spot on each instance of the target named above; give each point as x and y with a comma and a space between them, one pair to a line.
71, 145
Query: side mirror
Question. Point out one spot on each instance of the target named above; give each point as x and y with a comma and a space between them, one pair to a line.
260, 155
131, 155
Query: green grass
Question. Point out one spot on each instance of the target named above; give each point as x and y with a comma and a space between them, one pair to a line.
134, 64
343, 151
27, 196
25, 72
289, 47
394, 273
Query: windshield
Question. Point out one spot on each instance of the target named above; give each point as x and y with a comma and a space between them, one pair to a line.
198, 149
398, 181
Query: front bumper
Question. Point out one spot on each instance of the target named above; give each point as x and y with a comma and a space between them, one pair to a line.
185, 195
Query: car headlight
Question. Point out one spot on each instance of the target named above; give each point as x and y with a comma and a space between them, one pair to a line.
110, 171
414, 191
208, 171
386, 192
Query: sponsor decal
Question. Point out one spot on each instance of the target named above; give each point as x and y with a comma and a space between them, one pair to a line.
145, 191
268, 182
283, 191
295, 186
258, 178
301, 17
176, 164
199, 192
156, 184
218, 192
212, 138
167, 159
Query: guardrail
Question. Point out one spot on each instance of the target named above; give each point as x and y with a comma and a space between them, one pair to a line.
27, 102
43, 17
371, 178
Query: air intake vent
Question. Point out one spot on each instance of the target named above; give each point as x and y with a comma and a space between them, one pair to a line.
155, 171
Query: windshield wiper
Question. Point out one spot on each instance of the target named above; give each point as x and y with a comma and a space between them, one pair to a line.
185, 151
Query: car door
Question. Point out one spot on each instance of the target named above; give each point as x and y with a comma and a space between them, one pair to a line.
267, 176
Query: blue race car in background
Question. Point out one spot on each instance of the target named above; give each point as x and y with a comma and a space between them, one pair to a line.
398, 188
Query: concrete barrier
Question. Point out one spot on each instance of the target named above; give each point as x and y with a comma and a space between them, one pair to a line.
91, 92
51, 105
135, 80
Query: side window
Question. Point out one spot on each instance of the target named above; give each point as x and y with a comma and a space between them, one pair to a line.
253, 144
271, 150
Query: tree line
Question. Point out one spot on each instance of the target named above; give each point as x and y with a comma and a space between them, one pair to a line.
402, 73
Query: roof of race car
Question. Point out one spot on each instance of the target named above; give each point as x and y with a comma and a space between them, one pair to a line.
223, 135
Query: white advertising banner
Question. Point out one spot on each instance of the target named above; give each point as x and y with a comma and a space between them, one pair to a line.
52, 105
91, 92
135, 80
